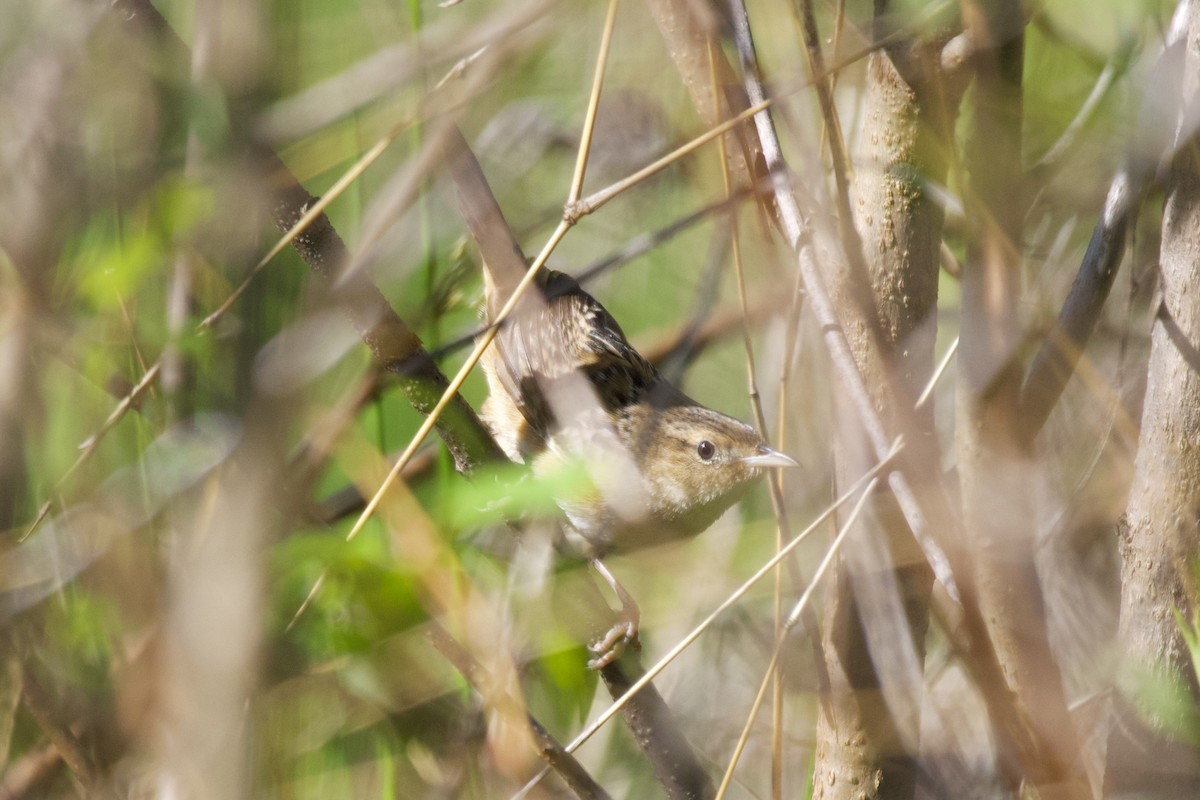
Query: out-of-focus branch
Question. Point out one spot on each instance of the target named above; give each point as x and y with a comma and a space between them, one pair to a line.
31, 774
716, 326
1153, 144
72, 751
1056, 360
393, 344
1057, 156
994, 467
690, 30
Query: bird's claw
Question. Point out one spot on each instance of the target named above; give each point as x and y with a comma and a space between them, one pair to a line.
612, 645
624, 632
610, 648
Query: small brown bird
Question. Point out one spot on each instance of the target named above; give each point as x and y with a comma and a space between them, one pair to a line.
565, 383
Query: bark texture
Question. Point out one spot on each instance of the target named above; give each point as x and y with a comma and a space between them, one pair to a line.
689, 30
877, 611
1160, 535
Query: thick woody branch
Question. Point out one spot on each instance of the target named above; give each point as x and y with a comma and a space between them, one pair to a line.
656, 732
690, 31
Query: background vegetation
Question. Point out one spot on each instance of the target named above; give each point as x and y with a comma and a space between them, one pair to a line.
180, 609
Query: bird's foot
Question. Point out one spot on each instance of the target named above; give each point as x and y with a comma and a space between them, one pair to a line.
613, 644
621, 635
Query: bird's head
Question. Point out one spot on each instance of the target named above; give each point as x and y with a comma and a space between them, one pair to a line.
697, 462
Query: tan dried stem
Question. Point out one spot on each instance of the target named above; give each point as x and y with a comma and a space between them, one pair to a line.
774, 478
589, 120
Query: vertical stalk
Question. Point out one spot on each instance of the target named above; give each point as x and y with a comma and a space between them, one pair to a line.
996, 467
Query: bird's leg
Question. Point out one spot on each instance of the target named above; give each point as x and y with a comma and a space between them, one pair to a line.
622, 634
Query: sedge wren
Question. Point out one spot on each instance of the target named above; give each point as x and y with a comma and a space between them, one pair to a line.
565, 383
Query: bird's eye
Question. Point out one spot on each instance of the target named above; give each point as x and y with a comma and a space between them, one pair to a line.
706, 450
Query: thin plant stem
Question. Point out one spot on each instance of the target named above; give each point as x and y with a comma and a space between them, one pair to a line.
589, 120
737, 595
794, 617
782, 532
937, 375
416, 133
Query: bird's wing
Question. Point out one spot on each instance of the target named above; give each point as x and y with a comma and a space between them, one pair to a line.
569, 331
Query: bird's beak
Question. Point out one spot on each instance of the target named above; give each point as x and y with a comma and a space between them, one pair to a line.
766, 457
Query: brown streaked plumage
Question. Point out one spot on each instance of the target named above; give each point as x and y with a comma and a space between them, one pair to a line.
680, 465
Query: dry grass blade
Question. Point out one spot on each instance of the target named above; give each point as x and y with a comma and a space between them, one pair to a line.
936, 377
93, 441
589, 120
774, 478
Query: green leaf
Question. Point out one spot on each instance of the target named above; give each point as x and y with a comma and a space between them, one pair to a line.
508, 492
112, 267
1165, 702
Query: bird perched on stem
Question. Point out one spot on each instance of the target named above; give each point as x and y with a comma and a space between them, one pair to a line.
566, 384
